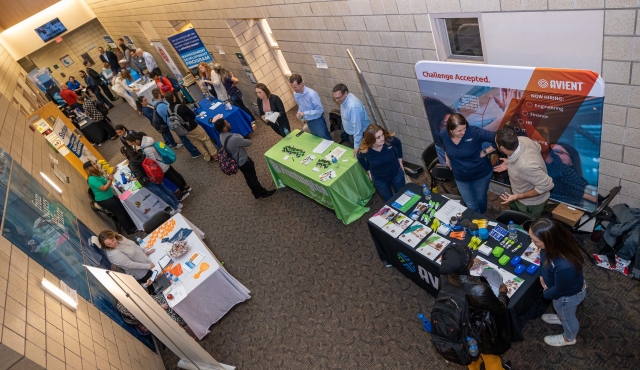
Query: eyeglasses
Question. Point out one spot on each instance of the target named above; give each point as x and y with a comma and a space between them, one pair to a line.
337, 99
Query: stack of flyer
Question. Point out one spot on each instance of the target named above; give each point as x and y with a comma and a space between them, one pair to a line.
414, 234
511, 281
433, 246
383, 216
398, 225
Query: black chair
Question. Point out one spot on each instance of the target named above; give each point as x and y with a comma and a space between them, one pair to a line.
454, 197
437, 172
518, 218
155, 221
101, 211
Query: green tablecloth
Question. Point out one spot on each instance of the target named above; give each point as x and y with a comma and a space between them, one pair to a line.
347, 194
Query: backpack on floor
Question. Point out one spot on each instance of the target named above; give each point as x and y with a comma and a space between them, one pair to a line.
451, 325
166, 153
176, 123
228, 165
153, 171
158, 123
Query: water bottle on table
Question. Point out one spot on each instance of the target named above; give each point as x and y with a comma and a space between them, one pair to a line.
286, 133
140, 241
334, 160
426, 192
513, 232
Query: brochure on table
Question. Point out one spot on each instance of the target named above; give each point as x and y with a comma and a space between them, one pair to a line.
433, 246
406, 201
532, 254
511, 281
448, 210
414, 234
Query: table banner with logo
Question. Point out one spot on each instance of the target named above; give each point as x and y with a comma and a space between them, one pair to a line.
560, 109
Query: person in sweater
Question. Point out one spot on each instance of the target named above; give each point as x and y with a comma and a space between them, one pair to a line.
146, 143
74, 85
268, 102
561, 266
354, 116
162, 82
70, 97
210, 81
196, 134
121, 87
236, 146
128, 255
530, 183
472, 169
380, 155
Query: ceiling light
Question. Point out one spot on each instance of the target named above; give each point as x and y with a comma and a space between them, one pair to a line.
53, 184
61, 296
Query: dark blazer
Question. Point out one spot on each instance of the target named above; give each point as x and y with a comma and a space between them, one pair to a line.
111, 58
276, 106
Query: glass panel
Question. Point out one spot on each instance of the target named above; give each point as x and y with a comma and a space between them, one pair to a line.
464, 36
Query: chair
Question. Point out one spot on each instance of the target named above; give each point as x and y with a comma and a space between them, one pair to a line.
437, 172
518, 218
454, 197
155, 221
101, 211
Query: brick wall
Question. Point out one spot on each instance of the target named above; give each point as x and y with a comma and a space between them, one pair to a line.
36, 331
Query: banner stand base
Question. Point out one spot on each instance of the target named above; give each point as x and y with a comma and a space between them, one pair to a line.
188, 365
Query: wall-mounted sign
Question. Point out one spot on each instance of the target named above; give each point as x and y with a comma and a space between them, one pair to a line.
109, 41
190, 48
320, 62
66, 60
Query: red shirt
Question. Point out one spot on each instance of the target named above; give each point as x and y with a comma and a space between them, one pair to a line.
69, 96
164, 85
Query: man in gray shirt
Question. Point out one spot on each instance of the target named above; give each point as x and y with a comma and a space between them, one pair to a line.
530, 183
235, 145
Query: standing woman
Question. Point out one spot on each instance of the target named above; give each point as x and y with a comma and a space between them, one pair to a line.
121, 88
104, 196
472, 169
268, 102
229, 82
127, 255
380, 155
210, 81
561, 277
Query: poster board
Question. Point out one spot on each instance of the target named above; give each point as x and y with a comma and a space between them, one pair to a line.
560, 109
167, 59
190, 48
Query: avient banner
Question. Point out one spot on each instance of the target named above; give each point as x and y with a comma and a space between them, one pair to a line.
190, 48
561, 109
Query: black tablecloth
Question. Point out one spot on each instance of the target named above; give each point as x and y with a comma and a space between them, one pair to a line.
426, 273
94, 132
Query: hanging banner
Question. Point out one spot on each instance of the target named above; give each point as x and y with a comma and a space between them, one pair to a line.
129, 42
109, 41
560, 109
190, 48
167, 59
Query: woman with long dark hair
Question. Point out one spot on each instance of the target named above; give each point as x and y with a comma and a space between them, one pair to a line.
268, 102
380, 154
561, 277
565, 168
229, 81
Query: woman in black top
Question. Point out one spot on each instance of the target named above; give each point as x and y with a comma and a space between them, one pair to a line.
268, 102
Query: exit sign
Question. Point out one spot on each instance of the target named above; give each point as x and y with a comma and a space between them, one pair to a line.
59, 39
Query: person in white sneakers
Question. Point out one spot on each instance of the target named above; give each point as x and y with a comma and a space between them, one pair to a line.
561, 277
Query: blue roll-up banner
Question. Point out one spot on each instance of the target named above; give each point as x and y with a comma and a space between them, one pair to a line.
190, 48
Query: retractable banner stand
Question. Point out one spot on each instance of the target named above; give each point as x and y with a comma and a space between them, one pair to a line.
560, 109
190, 48
167, 59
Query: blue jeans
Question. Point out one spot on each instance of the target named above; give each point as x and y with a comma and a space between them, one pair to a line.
318, 127
474, 193
169, 140
384, 184
566, 310
163, 193
236, 99
190, 147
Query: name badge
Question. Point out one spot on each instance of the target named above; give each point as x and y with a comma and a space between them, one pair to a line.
470, 139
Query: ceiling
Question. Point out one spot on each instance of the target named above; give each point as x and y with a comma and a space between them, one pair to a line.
14, 12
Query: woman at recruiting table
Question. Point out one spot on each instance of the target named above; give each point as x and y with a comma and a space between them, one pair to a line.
380, 154
471, 167
210, 81
561, 276
127, 255
268, 102
104, 196
121, 87
229, 82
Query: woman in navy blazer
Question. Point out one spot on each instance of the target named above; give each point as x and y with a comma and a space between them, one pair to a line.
268, 102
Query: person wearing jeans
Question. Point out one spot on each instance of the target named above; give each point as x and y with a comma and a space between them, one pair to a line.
310, 107
561, 265
162, 107
229, 82
380, 154
471, 167
235, 145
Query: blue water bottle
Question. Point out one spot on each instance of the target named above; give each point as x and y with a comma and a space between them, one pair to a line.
140, 241
473, 347
124, 179
426, 192
286, 133
334, 160
426, 324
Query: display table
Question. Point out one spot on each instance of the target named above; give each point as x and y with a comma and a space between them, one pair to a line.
209, 296
347, 194
426, 273
92, 131
239, 120
145, 90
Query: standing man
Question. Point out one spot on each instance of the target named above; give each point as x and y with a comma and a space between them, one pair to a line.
354, 116
235, 145
530, 183
104, 84
149, 61
92, 85
162, 108
111, 58
137, 63
309, 107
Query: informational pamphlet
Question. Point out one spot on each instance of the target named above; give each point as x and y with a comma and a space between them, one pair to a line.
383, 216
324, 145
398, 225
336, 152
511, 281
271, 116
406, 201
414, 234
308, 159
479, 264
433, 246
448, 210
418, 211
331, 174
214, 106
532, 254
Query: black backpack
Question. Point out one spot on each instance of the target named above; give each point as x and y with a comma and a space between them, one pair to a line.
102, 108
451, 325
158, 123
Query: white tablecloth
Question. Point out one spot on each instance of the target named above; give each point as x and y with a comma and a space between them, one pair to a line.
210, 296
145, 90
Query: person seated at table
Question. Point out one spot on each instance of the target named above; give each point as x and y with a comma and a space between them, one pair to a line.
121, 87
471, 167
74, 85
267, 103
196, 134
70, 97
457, 260
561, 276
235, 95
128, 255
161, 300
123, 132
91, 110
136, 158
380, 154
144, 142
210, 81
236, 146
104, 196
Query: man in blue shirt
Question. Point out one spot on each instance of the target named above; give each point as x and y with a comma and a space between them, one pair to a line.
162, 108
354, 116
309, 107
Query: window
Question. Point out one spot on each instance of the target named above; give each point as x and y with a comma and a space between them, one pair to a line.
273, 45
458, 37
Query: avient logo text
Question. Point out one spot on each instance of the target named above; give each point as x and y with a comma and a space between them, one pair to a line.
448, 77
561, 85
